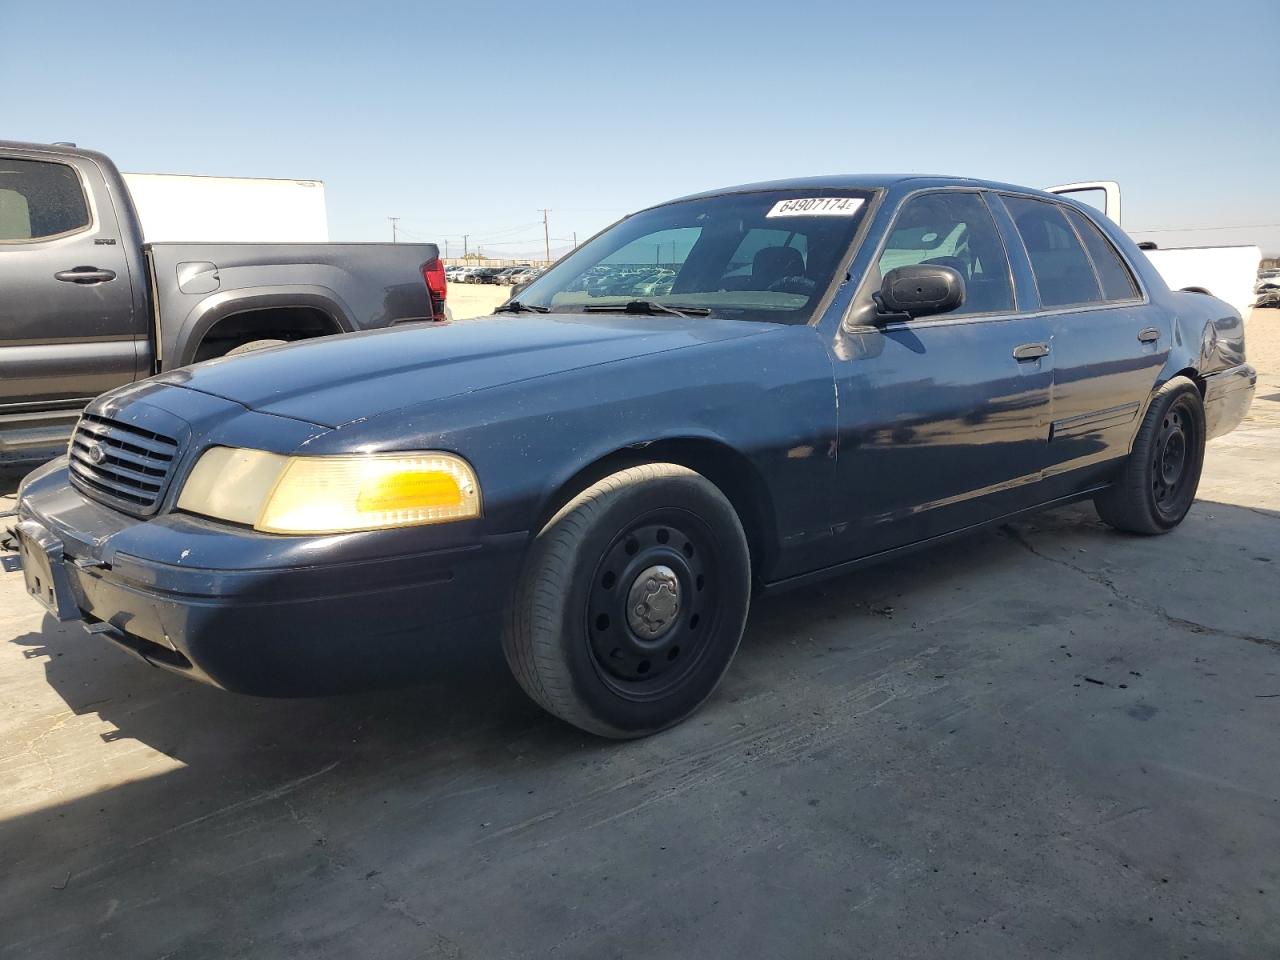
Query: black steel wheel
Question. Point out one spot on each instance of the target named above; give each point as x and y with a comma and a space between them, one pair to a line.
1158, 483
632, 602
1171, 458
654, 600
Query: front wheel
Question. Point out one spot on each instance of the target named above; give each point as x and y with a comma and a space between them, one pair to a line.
1158, 483
632, 602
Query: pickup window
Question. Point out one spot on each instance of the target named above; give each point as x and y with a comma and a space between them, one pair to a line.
39, 199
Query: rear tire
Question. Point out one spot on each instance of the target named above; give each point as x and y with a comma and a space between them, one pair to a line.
632, 602
1158, 483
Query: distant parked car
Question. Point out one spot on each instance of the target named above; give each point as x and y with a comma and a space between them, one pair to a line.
524, 275
507, 276
485, 275
1268, 289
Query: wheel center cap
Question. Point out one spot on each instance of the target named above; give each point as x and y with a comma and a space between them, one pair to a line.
653, 603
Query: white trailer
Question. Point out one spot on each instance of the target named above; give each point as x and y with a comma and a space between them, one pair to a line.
177, 208
1226, 272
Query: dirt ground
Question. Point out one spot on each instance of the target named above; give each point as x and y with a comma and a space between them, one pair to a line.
1047, 739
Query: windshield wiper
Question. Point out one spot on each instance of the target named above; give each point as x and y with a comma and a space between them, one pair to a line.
515, 306
646, 306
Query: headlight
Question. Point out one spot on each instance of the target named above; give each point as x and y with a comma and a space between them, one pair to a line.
305, 495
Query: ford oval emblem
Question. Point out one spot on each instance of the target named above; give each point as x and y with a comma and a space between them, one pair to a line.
95, 453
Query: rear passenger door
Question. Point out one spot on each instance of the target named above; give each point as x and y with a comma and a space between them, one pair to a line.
1108, 342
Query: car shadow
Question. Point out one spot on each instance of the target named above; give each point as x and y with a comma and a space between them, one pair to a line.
10, 477
471, 702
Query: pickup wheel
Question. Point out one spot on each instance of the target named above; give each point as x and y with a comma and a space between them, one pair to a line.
632, 602
253, 346
1158, 483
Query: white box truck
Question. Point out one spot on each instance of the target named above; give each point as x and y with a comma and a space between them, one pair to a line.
176, 208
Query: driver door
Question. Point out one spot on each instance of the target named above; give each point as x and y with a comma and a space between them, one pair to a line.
943, 420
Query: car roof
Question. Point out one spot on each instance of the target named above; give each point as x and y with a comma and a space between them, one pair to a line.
866, 181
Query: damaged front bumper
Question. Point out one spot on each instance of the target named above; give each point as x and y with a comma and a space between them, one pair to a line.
256, 613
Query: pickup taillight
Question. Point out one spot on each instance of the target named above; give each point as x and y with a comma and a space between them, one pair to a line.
437, 287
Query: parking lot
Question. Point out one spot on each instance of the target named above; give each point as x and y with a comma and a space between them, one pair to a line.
1044, 739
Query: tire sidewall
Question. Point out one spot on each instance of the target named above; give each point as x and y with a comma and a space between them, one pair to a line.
253, 346
1165, 400
691, 494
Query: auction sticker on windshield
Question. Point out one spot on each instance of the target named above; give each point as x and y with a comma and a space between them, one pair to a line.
816, 207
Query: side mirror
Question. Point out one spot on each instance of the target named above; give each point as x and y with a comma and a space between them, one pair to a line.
919, 290
515, 290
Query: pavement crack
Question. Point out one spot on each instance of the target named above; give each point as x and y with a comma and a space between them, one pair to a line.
1194, 626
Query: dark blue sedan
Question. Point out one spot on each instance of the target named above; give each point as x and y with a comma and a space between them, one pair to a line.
735, 392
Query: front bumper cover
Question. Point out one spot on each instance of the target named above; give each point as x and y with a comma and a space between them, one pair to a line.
287, 616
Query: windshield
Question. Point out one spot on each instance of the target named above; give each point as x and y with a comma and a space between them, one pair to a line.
768, 255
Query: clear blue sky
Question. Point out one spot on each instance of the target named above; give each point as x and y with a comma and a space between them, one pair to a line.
468, 117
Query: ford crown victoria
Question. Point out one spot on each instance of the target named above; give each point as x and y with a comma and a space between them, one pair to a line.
833, 371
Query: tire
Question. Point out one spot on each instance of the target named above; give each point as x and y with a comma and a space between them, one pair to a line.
582, 637
253, 346
1158, 483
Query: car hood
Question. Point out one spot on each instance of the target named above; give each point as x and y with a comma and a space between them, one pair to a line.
335, 380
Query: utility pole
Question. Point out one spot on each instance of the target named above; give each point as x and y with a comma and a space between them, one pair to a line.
546, 232
464, 245
446, 248
575, 239
394, 221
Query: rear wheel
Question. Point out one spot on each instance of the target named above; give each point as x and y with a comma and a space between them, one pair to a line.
632, 603
1158, 483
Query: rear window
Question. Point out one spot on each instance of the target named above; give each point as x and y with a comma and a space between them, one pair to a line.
39, 199
1117, 281
1064, 273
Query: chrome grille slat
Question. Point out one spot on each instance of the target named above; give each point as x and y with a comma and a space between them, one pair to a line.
144, 465
101, 483
143, 442
120, 473
132, 472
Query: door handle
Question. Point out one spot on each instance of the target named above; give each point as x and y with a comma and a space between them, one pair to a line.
1031, 351
85, 275
1149, 335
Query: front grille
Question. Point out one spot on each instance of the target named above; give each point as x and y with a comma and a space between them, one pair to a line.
121, 464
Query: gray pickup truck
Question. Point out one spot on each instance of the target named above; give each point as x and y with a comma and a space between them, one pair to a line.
86, 305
